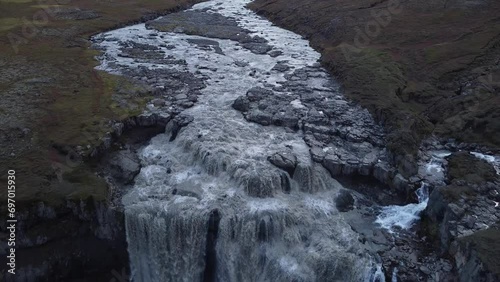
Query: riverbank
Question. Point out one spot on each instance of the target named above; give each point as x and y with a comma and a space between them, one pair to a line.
56, 108
420, 68
57, 116
244, 169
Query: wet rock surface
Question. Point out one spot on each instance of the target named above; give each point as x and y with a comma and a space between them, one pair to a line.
125, 165
459, 215
342, 136
476, 255
210, 25
463, 213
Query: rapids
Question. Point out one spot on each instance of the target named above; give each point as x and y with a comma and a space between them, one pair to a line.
207, 204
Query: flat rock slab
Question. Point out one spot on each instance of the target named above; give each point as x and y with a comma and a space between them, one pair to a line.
210, 25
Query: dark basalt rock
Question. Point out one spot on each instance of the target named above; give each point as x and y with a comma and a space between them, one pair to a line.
177, 123
210, 25
344, 201
463, 165
275, 53
284, 160
476, 255
76, 233
207, 44
343, 137
241, 104
209, 274
281, 67
257, 48
124, 166
200, 23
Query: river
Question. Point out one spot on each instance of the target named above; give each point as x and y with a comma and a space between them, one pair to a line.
231, 191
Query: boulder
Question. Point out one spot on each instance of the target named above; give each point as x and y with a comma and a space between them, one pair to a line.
476, 256
344, 201
285, 160
400, 183
124, 166
333, 164
241, 104
383, 172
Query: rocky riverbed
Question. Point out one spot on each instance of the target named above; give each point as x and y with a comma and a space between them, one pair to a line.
249, 164
256, 123
256, 131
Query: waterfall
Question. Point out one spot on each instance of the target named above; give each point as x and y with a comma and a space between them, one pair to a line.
404, 216
377, 274
208, 205
195, 225
394, 277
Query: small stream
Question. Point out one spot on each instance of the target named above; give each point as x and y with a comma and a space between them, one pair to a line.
404, 216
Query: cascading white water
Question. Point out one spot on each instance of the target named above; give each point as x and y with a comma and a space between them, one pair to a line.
433, 170
207, 204
394, 277
404, 216
378, 274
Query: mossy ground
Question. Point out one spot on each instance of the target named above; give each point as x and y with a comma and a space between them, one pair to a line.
465, 166
48, 85
468, 169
